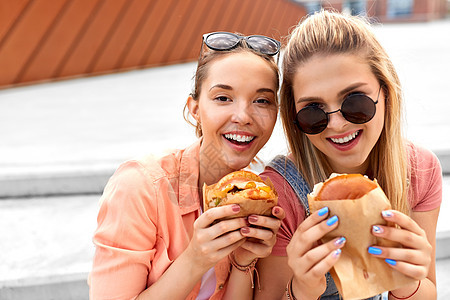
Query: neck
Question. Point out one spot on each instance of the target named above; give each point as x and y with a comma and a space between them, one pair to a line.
210, 171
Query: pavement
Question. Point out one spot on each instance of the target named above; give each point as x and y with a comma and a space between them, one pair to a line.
61, 141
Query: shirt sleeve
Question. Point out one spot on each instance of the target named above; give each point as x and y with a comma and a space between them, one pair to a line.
294, 211
426, 179
126, 235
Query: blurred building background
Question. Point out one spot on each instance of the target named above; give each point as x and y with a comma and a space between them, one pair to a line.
385, 10
42, 40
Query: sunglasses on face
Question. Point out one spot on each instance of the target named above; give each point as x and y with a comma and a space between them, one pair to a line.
223, 41
356, 108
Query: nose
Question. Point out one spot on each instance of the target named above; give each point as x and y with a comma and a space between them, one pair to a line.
336, 120
242, 114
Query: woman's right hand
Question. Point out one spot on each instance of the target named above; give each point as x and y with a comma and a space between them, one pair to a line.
308, 258
212, 242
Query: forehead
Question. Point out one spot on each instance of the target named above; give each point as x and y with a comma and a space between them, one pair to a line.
240, 66
322, 72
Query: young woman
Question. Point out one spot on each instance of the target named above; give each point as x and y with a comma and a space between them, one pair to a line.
153, 239
341, 105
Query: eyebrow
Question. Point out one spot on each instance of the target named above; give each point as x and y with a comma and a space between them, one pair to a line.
340, 94
227, 87
221, 86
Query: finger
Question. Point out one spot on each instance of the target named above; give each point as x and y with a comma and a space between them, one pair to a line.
219, 253
215, 213
410, 256
266, 222
314, 219
415, 271
323, 266
318, 231
402, 236
403, 221
226, 240
316, 227
258, 233
225, 226
278, 212
317, 254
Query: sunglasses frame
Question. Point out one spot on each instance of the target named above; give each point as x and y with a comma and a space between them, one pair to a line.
239, 39
296, 122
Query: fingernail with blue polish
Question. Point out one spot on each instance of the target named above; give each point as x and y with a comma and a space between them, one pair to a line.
340, 241
332, 220
323, 211
337, 252
375, 250
377, 229
387, 213
391, 261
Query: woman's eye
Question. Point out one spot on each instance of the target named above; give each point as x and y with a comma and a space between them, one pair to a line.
314, 104
222, 99
262, 101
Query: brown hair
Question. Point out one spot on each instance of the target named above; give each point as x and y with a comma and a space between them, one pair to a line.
208, 56
325, 33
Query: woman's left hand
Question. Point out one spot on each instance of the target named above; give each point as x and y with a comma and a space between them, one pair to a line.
261, 236
415, 257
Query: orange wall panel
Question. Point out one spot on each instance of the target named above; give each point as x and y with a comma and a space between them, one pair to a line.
16, 52
42, 40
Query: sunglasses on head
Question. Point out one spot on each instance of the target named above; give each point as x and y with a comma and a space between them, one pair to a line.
223, 41
356, 108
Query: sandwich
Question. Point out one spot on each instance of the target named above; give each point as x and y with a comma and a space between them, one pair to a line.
358, 202
244, 188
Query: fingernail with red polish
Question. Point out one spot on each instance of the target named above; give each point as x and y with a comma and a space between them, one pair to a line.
253, 219
276, 210
245, 230
236, 208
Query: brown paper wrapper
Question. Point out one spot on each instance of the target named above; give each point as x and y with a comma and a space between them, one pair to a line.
358, 274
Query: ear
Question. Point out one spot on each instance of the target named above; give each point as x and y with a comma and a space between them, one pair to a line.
193, 107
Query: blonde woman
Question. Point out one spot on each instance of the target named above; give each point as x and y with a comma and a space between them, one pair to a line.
341, 107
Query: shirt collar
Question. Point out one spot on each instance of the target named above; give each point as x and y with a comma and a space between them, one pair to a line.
189, 199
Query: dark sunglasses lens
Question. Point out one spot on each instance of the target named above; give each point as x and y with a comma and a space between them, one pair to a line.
221, 41
263, 45
312, 120
358, 109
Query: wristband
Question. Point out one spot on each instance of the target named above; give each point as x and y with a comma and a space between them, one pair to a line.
402, 298
289, 293
248, 269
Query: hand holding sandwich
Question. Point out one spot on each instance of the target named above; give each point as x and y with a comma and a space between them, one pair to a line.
356, 269
238, 218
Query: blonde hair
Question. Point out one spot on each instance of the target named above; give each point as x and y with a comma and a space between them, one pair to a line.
328, 32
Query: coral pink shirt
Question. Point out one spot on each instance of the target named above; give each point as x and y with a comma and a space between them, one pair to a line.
145, 222
426, 185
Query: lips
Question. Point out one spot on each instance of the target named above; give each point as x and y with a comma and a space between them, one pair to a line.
345, 142
345, 139
239, 139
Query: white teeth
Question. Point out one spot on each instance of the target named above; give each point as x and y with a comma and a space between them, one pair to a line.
239, 138
345, 139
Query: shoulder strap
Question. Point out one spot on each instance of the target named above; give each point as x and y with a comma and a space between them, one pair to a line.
286, 168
